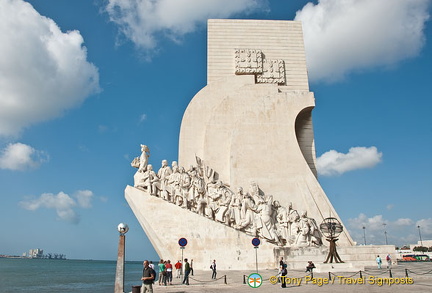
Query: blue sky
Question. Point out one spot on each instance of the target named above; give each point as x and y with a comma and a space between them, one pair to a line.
84, 83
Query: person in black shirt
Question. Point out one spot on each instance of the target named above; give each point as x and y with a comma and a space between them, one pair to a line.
148, 277
310, 266
284, 272
213, 267
186, 272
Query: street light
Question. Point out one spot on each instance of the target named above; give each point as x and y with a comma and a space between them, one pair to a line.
119, 278
385, 233
421, 242
364, 234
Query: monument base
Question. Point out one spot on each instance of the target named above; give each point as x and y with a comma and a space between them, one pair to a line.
165, 223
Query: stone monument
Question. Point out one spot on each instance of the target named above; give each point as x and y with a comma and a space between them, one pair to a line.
246, 165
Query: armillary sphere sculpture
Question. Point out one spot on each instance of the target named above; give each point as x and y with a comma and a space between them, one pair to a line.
331, 228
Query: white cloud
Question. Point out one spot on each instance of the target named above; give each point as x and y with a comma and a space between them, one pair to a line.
342, 36
84, 198
43, 71
142, 118
334, 163
404, 222
141, 20
19, 156
425, 226
62, 203
402, 231
374, 223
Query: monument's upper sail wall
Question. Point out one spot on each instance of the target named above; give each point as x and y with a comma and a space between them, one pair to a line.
252, 122
277, 40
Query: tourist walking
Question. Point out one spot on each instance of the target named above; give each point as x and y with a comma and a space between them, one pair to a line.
378, 261
169, 268
178, 267
148, 277
191, 267
284, 272
389, 261
162, 272
151, 265
186, 272
281, 264
213, 268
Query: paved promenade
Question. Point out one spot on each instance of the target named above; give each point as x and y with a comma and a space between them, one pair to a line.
421, 274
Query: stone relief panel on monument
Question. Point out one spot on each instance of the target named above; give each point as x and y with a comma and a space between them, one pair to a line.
248, 61
273, 72
253, 212
252, 61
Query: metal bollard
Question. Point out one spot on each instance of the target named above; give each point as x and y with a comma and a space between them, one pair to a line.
225, 279
244, 279
361, 275
406, 273
391, 275
330, 277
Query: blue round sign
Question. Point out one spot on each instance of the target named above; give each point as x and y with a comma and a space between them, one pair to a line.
182, 242
256, 242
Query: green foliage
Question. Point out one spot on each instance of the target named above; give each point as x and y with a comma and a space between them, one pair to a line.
420, 248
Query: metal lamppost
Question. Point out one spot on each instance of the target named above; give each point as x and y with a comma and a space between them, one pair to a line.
182, 242
119, 278
364, 234
385, 233
256, 242
421, 242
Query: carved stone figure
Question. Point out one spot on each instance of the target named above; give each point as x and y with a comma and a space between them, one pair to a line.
174, 181
254, 192
197, 188
160, 186
253, 213
248, 212
143, 159
222, 214
265, 223
185, 182
235, 206
282, 223
147, 180
308, 231
293, 216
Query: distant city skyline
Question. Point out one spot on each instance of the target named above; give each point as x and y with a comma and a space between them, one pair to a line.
84, 83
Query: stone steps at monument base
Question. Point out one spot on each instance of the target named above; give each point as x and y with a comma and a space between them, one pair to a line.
354, 258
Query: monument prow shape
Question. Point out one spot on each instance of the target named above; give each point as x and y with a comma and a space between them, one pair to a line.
250, 126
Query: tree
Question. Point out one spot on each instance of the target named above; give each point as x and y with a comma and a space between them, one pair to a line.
420, 248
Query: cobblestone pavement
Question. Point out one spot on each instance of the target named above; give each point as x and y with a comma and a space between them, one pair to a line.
371, 280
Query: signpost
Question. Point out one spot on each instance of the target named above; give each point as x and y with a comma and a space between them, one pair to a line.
182, 242
256, 242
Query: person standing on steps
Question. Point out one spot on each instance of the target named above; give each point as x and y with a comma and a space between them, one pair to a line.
378, 261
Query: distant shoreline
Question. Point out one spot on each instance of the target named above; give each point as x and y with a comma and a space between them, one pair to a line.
12, 256
27, 257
